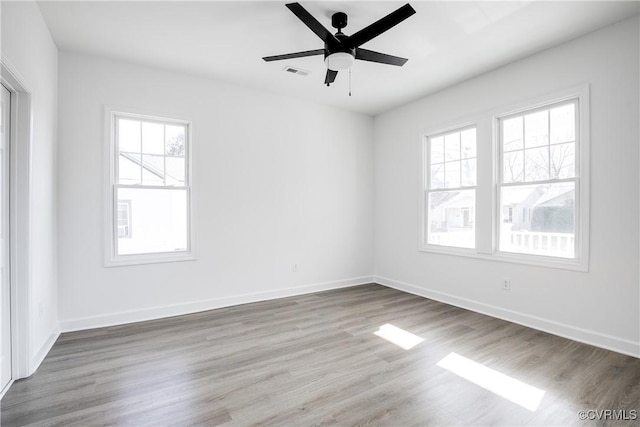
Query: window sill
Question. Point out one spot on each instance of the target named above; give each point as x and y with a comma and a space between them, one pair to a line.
125, 260
514, 258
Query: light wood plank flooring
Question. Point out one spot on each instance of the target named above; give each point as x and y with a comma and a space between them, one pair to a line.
314, 359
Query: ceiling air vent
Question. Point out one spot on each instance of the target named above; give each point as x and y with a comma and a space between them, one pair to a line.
298, 71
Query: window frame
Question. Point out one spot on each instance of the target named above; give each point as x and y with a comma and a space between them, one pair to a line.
487, 198
500, 184
425, 188
111, 257
580, 95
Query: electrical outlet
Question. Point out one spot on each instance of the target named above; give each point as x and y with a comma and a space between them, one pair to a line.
506, 284
294, 268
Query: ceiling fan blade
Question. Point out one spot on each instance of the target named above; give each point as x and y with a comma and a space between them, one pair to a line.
331, 77
294, 55
383, 58
380, 26
313, 24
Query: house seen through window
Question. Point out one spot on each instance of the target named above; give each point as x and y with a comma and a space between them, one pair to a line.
124, 218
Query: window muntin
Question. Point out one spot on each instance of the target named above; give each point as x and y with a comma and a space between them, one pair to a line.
151, 153
538, 181
450, 196
151, 189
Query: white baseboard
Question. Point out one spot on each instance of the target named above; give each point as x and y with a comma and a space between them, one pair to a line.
113, 319
586, 336
6, 389
42, 353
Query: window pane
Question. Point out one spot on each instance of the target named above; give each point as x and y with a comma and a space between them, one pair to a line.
563, 160
563, 124
152, 138
536, 129
174, 136
542, 220
437, 176
158, 221
468, 143
152, 170
512, 134
513, 167
452, 146
437, 150
469, 173
129, 135
536, 162
452, 218
175, 170
452, 174
129, 171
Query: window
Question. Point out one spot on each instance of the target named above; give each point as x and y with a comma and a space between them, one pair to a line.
450, 193
539, 178
124, 218
513, 186
150, 190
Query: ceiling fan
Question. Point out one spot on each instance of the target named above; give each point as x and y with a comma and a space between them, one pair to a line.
340, 50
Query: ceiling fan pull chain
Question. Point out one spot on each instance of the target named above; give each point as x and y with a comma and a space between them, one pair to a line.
349, 81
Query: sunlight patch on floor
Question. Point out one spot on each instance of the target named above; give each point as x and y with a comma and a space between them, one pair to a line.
516, 391
399, 337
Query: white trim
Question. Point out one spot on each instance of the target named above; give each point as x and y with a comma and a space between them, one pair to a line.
534, 260
20, 193
111, 259
598, 339
6, 388
142, 315
39, 357
138, 259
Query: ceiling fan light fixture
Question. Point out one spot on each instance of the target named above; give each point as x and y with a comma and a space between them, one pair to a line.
339, 61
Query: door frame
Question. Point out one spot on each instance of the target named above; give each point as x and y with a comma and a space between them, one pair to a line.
5, 224
19, 217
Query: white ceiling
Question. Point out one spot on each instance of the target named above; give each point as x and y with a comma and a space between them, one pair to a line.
446, 42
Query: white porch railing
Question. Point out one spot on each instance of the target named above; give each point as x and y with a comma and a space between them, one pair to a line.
529, 242
538, 243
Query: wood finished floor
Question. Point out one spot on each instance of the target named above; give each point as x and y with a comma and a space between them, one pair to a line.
313, 360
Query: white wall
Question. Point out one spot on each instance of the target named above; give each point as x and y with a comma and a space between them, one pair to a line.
278, 181
601, 306
27, 47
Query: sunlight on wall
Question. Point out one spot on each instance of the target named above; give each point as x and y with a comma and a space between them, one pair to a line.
496, 382
399, 337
